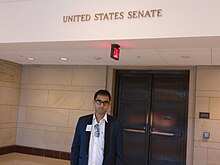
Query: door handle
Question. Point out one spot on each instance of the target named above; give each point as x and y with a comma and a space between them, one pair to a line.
162, 133
134, 130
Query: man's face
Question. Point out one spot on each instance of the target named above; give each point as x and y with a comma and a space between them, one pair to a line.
101, 104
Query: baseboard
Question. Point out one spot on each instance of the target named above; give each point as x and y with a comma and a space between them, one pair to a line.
35, 151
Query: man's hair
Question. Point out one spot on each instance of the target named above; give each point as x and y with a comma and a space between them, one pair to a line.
102, 92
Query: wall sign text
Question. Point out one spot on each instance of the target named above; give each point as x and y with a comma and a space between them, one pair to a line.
118, 15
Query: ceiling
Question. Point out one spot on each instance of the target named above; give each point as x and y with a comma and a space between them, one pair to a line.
142, 52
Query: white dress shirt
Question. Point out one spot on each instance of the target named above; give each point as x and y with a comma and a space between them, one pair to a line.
96, 144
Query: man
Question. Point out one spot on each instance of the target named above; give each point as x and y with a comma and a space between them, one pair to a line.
98, 136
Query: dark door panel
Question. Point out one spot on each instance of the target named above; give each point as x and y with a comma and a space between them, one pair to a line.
165, 148
135, 87
134, 144
132, 116
133, 101
169, 119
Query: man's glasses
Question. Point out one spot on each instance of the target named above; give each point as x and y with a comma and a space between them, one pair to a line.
100, 102
97, 132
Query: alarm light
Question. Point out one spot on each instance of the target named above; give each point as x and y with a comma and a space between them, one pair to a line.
115, 51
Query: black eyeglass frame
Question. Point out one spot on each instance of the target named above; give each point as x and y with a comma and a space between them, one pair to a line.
100, 102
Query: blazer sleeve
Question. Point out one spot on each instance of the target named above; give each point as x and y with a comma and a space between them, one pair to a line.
119, 146
75, 149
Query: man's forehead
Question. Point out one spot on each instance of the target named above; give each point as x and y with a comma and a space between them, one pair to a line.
103, 97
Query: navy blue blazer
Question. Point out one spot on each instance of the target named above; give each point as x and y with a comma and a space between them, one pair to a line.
113, 142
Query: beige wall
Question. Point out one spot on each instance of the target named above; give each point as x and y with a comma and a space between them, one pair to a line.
10, 76
207, 152
51, 100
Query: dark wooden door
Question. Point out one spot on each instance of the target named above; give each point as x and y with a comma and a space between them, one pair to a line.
152, 105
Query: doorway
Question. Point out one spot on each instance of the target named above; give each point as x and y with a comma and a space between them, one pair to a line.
153, 108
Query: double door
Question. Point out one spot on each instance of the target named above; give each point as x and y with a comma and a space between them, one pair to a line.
152, 106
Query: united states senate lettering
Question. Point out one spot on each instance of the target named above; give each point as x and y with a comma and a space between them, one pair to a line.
109, 16
77, 18
145, 14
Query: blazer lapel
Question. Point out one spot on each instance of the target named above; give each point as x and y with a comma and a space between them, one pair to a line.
88, 133
107, 137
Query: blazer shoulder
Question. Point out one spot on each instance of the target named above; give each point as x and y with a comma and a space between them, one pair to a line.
113, 119
86, 118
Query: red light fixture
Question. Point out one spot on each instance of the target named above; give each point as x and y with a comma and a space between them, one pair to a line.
115, 51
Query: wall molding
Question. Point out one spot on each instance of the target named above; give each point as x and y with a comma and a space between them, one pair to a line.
35, 151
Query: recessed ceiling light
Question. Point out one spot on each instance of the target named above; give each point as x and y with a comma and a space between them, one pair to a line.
184, 56
98, 58
31, 58
63, 58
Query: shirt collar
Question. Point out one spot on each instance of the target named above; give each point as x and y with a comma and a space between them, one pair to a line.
104, 118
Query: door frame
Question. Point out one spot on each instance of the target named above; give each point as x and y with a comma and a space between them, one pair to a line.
161, 72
